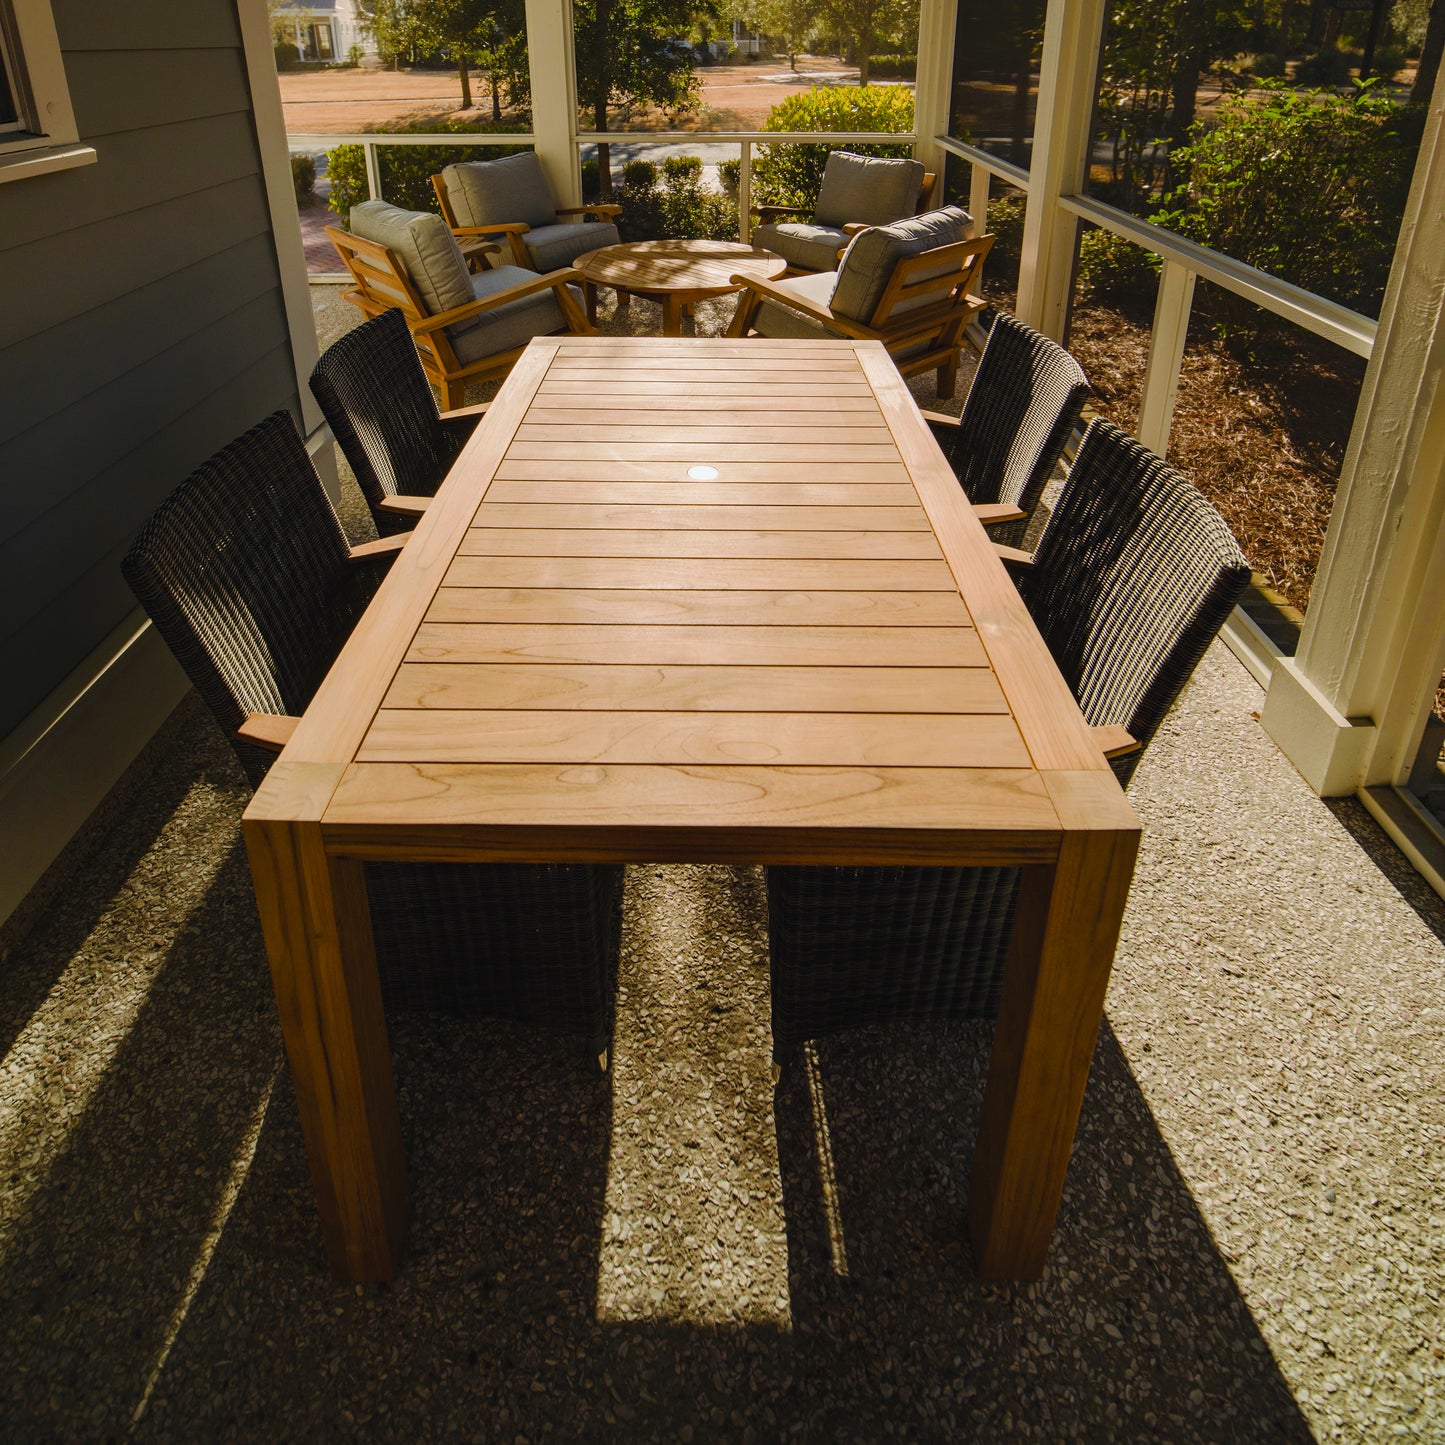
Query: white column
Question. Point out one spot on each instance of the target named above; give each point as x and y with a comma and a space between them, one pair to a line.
553, 66
933, 87
1347, 709
1072, 30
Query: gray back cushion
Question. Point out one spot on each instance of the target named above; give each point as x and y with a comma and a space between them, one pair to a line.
490, 193
867, 189
871, 256
427, 250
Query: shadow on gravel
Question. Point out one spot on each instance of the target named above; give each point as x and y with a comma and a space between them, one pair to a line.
1381, 850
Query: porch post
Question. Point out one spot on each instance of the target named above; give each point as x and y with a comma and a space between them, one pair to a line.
1347, 709
553, 68
933, 85
1064, 120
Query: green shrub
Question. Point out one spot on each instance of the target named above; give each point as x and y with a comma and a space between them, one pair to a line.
1326, 67
1006, 222
303, 175
730, 173
893, 67
1269, 66
1310, 187
1389, 61
406, 171
287, 55
669, 202
791, 175
1113, 269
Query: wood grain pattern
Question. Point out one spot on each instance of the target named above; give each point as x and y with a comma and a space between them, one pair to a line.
703, 494
699, 607
788, 739
683, 645
695, 689
571, 468
554, 542
685, 517
809, 455
699, 432
765, 574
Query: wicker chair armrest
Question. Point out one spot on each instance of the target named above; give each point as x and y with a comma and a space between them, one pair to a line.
268, 730
941, 420
443, 319
404, 505
805, 307
1115, 741
765, 214
1014, 557
603, 213
384, 549
460, 413
994, 514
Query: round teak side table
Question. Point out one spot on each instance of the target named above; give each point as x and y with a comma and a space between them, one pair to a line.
678, 273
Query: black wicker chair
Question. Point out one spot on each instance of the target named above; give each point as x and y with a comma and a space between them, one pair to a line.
374, 393
247, 576
1026, 399
1133, 578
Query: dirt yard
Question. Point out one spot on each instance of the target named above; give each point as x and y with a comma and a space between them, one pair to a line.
342, 102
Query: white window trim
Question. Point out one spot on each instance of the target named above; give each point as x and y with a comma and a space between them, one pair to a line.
50, 140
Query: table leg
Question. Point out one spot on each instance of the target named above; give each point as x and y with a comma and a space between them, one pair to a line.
589, 300
317, 927
1066, 927
671, 314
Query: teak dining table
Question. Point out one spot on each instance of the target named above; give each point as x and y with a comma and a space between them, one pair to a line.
704, 601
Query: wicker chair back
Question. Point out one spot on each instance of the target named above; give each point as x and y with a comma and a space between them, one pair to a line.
1026, 399
1132, 579
374, 394
244, 570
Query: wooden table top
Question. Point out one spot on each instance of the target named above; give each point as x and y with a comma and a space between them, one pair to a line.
702, 600
693, 266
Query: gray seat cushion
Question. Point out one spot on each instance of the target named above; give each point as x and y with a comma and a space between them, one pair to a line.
512, 324
551, 247
426, 249
502, 192
871, 256
867, 189
781, 322
802, 245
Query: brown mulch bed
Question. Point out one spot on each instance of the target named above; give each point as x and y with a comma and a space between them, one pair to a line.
1260, 426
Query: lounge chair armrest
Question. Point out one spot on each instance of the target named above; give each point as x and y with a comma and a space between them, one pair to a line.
603, 213
497, 228
443, 319
403, 505
268, 730
1115, 741
941, 419
1014, 556
805, 307
383, 549
993, 514
851, 228
765, 214
458, 413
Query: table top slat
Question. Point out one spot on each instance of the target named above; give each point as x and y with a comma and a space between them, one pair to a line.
674, 643
800, 432
595, 542
549, 686
703, 573
739, 517
811, 739
570, 467
700, 494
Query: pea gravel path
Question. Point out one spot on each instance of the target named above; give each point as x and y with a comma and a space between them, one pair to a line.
1251, 1244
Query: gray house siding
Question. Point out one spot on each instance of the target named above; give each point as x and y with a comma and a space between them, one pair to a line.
141, 319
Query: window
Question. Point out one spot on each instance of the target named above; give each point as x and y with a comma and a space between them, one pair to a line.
37, 124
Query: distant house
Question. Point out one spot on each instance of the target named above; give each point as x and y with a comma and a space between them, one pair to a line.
326, 30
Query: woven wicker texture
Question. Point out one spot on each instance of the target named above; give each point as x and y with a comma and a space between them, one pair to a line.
245, 571
1132, 580
1026, 399
373, 392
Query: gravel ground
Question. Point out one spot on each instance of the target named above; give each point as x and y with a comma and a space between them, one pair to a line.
1250, 1244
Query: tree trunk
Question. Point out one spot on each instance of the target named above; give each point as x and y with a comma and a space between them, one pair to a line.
604, 152
1317, 22
466, 76
1286, 26
1185, 83
496, 99
1424, 86
1372, 38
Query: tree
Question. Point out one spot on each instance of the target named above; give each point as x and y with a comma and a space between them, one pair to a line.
1430, 53
787, 23
629, 57
467, 32
864, 22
